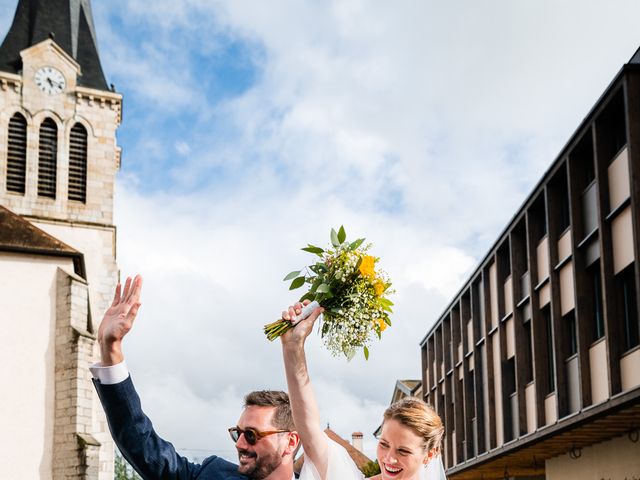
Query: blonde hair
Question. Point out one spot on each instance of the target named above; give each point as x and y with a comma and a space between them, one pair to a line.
420, 418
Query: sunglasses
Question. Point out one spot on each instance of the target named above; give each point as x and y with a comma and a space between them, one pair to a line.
251, 435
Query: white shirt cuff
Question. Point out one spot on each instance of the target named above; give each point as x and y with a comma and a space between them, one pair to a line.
110, 375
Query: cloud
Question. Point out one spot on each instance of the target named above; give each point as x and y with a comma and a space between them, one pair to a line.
419, 125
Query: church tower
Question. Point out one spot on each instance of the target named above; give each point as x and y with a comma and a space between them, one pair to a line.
58, 150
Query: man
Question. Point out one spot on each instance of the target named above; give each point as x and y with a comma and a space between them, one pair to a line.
265, 437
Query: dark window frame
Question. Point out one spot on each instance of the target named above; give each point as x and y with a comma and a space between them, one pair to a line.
47, 158
16, 177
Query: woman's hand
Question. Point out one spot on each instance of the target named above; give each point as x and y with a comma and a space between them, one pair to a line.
303, 401
297, 336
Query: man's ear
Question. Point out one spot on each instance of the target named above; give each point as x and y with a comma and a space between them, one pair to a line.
293, 445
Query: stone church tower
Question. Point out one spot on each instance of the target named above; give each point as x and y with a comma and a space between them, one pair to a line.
58, 162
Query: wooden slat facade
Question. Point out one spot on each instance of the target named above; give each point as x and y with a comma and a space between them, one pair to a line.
528, 360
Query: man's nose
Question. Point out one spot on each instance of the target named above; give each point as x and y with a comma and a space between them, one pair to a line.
242, 442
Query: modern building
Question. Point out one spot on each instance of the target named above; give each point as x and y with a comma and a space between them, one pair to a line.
58, 162
534, 365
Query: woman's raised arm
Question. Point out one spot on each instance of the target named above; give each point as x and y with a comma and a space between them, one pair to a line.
306, 414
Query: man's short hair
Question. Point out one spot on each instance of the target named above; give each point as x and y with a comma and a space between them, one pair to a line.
282, 418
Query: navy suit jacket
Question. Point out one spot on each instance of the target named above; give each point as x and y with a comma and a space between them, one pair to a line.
151, 456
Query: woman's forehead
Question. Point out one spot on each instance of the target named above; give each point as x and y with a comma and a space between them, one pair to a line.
400, 435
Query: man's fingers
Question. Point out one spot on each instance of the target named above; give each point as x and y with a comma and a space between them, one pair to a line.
285, 315
116, 296
127, 288
131, 316
136, 288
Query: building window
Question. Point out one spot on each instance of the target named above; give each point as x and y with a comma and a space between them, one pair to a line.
627, 307
17, 154
47, 158
551, 362
569, 333
595, 286
528, 338
565, 216
78, 163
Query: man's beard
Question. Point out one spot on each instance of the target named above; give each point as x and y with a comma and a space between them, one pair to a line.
262, 467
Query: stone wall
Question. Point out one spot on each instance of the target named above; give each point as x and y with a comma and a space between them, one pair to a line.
76, 451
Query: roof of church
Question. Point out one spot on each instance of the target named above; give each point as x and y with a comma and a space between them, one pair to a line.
71, 23
356, 455
20, 235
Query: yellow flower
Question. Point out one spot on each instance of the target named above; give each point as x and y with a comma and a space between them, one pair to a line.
382, 324
379, 288
367, 266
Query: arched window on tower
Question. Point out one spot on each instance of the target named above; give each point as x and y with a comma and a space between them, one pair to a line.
47, 158
78, 163
17, 154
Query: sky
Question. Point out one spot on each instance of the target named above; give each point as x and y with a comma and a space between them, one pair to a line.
252, 128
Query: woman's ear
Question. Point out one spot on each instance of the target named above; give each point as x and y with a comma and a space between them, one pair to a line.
430, 454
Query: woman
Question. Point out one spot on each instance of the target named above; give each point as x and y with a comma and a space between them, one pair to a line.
409, 445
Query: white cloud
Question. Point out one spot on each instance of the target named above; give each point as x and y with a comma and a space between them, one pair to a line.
182, 148
420, 125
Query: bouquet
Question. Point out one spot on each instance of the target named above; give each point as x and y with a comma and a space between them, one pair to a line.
345, 282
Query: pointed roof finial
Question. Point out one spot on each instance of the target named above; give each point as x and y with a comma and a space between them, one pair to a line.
68, 22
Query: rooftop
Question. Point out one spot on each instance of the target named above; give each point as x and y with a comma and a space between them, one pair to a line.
68, 22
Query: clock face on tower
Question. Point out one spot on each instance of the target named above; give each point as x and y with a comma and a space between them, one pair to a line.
50, 80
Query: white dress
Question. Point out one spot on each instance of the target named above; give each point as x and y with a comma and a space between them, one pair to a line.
341, 467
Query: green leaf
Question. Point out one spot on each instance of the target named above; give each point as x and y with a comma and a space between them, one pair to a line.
316, 283
366, 353
342, 235
318, 268
297, 283
323, 288
358, 263
356, 244
325, 329
334, 238
291, 276
387, 320
385, 302
308, 296
349, 353
313, 249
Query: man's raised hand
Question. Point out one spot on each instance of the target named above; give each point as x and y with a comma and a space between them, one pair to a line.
118, 320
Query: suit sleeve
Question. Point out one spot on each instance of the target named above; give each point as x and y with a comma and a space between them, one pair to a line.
151, 456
